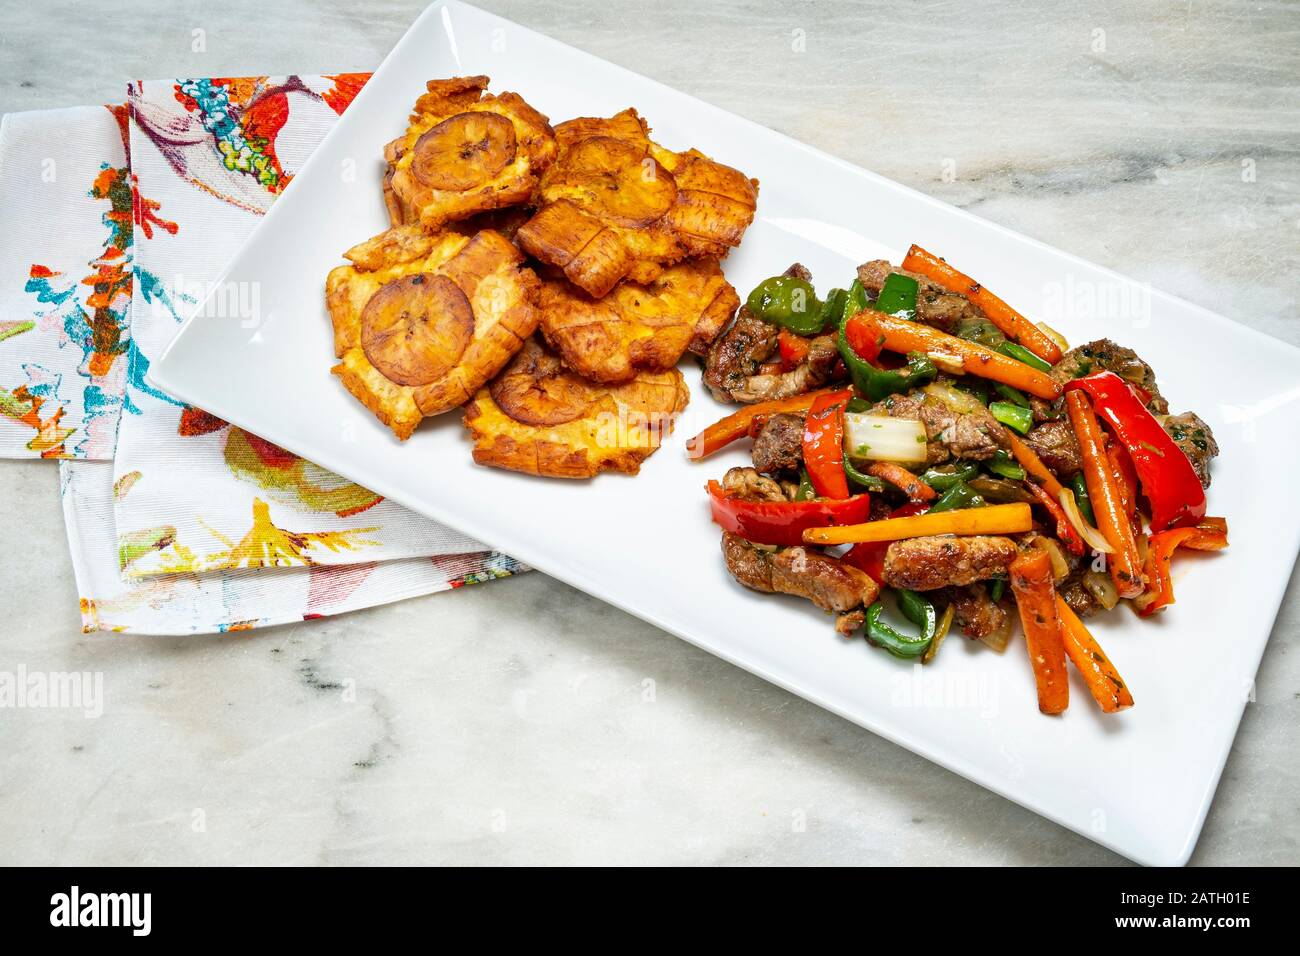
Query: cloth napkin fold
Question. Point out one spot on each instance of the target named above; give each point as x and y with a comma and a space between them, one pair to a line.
178, 522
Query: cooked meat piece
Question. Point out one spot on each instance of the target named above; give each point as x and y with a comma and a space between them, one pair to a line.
812, 373
846, 624
749, 565
779, 444
935, 305
1194, 437
975, 612
1078, 597
1105, 354
976, 435
737, 353
803, 572
935, 561
748, 483
1055, 443
798, 270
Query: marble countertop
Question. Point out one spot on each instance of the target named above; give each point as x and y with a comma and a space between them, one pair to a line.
509, 723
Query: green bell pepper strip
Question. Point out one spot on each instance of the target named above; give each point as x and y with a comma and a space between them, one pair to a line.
855, 300
870, 482
878, 383
1022, 354
833, 308
1003, 465
789, 302
857, 405
898, 296
980, 331
1013, 416
806, 491
1013, 395
917, 610
1080, 487
960, 495
996, 588
945, 476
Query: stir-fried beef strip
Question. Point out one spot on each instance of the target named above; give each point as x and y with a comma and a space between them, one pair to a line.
935, 305
778, 446
1078, 597
733, 367
1194, 437
977, 614
748, 483
1055, 443
802, 572
734, 364
976, 435
1105, 355
936, 561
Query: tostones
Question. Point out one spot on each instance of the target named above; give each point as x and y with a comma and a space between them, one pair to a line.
637, 327
541, 418
616, 205
464, 152
422, 320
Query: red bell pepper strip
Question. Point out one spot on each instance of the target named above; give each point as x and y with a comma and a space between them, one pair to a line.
1211, 535
794, 349
1064, 530
782, 522
862, 338
1160, 582
823, 445
1167, 477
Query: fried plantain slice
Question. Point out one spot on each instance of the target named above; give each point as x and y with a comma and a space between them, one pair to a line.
422, 321
616, 205
636, 327
465, 152
541, 418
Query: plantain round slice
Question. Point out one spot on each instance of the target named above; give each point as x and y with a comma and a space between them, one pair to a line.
415, 328
537, 389
464, 151
624, 182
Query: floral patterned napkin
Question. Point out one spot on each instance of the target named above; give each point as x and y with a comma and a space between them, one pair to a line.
179, 522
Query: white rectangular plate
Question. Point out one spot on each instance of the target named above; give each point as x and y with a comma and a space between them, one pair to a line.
1139, 782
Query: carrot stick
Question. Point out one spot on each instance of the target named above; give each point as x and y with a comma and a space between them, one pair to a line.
902, 335
904, 480
735, 426
1010, 322
1121, 466
1107, 503
1103, 680
1030, 461
1031, 580
993, 519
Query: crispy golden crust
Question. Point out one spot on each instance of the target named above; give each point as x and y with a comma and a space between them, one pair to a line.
616, 205
441, 313
540, 418
636, 327
465, 152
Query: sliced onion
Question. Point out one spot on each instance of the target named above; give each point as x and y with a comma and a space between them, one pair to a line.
1091, 536
948, 362
1101, 587
945, 622
882, 438
998, 640
1055, 336
1060, 567
957, 400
